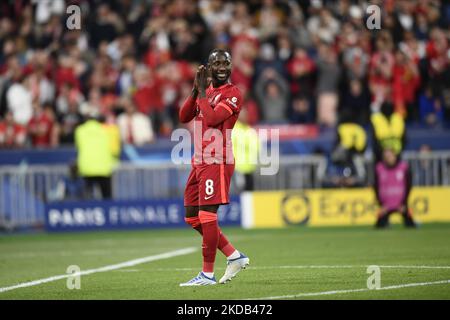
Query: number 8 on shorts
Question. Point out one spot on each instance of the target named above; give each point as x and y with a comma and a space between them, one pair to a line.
209, 187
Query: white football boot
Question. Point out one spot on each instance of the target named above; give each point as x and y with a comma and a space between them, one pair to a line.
200, 280
234, 266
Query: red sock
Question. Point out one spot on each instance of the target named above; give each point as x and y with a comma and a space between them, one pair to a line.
224, 245
210, 231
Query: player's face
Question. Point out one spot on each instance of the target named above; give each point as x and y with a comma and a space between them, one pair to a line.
220, 68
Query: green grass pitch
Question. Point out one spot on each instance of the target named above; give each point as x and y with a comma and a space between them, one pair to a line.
298, 263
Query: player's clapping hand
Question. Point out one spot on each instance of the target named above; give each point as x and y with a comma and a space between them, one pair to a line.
202, 78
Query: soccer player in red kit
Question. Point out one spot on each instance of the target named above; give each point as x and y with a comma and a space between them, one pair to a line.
215, 109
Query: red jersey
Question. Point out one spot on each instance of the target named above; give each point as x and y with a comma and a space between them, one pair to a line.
212, 131
43, 125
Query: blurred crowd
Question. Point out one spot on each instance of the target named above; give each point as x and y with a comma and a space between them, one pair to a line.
132, 63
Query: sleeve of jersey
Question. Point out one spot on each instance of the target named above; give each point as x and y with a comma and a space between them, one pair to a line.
187, 110
214, 117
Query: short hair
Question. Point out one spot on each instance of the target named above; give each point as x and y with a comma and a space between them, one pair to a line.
218, 51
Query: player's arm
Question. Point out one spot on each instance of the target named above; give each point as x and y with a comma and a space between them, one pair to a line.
214, 117
188, 110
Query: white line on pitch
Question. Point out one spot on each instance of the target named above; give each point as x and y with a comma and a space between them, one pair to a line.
315, 267
416, 267
323, 293
125, 264
352, 266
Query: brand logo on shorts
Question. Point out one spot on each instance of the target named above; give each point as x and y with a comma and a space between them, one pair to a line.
207, 198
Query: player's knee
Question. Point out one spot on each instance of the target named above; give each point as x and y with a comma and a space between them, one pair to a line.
194, 222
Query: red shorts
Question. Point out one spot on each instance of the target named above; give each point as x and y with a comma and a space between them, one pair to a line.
208, 185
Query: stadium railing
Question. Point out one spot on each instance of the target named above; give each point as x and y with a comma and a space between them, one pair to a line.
429, 169
24, 190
